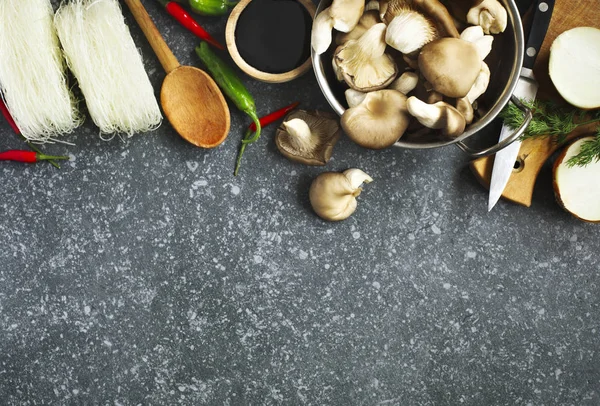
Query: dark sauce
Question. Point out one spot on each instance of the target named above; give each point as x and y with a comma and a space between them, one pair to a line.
274, 35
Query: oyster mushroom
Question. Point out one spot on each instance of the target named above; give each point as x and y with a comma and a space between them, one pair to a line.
409, 31
451, 65
425, 92
364, 63
433, 10
346, 13
321, 31
368, 19
466, 109
481, 84
354, 97
308, 137
490, 15
333, 195
336, 70
476, 36
411, 60
406, 83
343, 15
440, 116
379, 121
372, 5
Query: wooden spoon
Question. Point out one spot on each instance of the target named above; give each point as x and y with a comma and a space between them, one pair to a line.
190, 98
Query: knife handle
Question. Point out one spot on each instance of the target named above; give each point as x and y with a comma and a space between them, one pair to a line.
539, 27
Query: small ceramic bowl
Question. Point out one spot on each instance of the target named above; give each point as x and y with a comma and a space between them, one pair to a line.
251, 70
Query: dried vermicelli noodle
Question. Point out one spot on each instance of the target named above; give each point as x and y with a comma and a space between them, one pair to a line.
32, 71
109, 68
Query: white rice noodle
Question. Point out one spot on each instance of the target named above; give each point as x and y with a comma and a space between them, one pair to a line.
109, 68
32, 71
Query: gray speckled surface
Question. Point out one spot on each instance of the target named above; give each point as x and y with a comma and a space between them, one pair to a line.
144, 273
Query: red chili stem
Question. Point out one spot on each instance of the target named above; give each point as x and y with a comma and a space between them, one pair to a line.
188, 22
29, 157
274, 116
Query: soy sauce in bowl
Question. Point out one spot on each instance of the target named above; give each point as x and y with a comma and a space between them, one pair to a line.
271, 38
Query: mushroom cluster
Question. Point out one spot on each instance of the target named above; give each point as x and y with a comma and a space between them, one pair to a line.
407, 66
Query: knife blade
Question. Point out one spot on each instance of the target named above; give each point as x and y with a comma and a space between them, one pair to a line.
526, 88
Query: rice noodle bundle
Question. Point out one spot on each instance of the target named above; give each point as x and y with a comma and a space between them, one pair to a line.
109, 68
32, 71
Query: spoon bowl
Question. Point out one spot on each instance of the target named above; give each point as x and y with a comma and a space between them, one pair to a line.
195, 106
190, 98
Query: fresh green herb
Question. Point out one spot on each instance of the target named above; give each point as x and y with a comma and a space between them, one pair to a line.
552, 120
589, 152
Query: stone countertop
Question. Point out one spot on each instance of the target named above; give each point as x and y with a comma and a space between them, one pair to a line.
144, 273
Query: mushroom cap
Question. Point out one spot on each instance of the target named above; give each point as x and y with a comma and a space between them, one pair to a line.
379, 121
346, 13
364, 63
323, 125
321, 31
431, 9
332, 196
367, 20
490, 15
451, 65
409, 31
440, 115
466, 109
354, 97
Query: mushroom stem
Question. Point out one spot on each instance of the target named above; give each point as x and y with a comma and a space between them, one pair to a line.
406, 83
301, 137
481, 84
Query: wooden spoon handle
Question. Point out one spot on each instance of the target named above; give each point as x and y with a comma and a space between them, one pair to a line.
158, 44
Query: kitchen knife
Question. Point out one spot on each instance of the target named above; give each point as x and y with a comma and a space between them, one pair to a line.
527, 87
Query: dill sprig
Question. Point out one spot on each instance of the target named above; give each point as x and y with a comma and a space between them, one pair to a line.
552, 120
588, 153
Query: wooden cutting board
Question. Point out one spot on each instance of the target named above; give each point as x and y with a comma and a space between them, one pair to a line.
533, 154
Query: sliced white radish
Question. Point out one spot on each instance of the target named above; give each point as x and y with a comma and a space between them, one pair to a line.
575, 66
577, 188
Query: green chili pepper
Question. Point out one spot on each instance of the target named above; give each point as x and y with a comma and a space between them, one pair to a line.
233, 87
211, 7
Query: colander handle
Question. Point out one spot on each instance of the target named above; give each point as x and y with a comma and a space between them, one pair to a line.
528, 115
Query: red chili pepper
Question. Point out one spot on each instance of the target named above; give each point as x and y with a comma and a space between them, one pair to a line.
8, 117
264, 121
29, 157
12, 123
188, 22
274, 116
